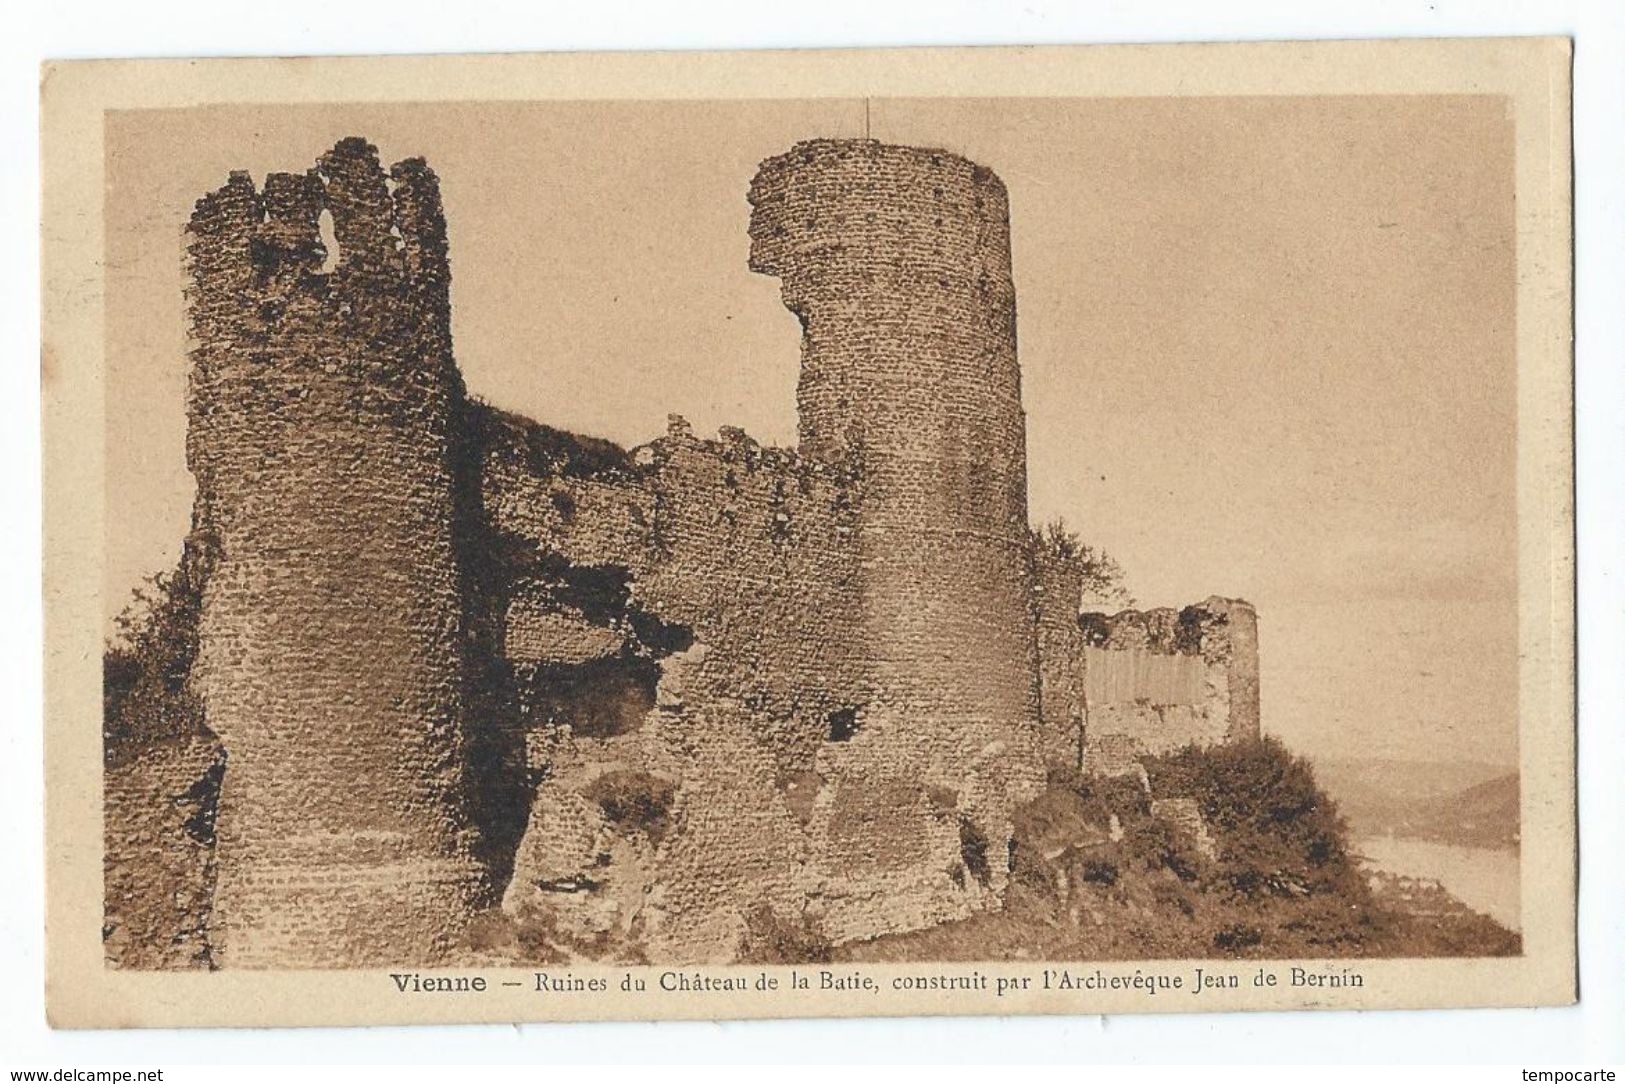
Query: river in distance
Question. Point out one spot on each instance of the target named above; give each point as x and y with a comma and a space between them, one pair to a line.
1484, 878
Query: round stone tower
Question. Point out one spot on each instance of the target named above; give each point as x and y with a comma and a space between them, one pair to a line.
322, 406
896, 260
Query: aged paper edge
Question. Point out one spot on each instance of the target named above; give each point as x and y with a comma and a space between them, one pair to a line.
1531, 73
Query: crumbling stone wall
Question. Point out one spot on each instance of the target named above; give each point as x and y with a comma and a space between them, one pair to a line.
754, 557
896, 260
737, 565
1058, 594
160, 801
1159, 680
322, 406
1185, 814
161, 779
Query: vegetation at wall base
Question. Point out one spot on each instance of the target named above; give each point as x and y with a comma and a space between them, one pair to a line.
1280, 881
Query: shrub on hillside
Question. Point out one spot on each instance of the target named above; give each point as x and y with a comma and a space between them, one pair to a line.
1277, 831
1159, 845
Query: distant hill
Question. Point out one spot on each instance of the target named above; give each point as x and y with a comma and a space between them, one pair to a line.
1489, 810
1466, 803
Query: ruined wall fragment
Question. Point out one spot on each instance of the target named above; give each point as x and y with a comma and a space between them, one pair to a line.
737, 567
1159, 680
160, 803
1185, 814
1058, 594
741, 572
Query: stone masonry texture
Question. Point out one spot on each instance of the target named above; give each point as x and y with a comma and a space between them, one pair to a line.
1158, 680
159, 856
1058, 592
896, 260
648, 702
322, 406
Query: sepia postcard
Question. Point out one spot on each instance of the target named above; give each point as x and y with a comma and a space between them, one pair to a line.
824, 533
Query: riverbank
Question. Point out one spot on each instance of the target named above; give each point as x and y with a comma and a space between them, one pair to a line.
1485, 879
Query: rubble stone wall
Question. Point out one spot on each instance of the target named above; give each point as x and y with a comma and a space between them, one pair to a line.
1058, 592
322, 401
1164, 679
896, 260
158, 858
740, 569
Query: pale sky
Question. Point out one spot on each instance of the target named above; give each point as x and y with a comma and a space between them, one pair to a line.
1266, 343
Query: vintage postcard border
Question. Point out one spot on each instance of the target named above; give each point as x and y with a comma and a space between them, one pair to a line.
1532, 74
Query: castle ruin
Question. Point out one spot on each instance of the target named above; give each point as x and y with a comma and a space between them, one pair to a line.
454, 662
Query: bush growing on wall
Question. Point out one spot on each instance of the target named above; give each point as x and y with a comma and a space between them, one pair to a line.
1103, 578
148, 660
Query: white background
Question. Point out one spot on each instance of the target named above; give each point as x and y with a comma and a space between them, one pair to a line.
1592, 1032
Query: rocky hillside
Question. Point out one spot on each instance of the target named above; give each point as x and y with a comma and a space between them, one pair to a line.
1102, 870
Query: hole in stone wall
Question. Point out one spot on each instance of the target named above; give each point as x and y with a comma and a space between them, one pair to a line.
262, 255
973, 850
634, 801
330, 241
598, 699
843, 723
658, 636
